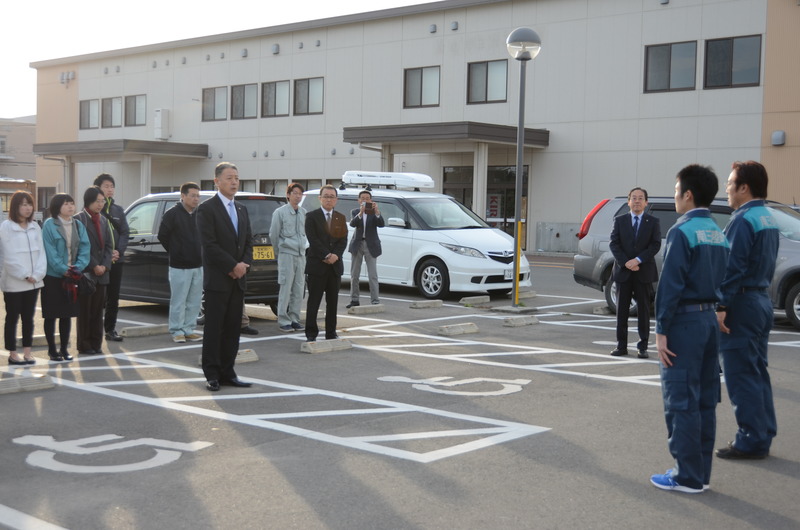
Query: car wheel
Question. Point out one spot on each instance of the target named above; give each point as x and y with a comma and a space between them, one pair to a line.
611, 298
433, 280
201, 318
793, 305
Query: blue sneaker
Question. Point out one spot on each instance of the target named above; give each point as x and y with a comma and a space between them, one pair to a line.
670, 471
297, 326
287, 328
666, 482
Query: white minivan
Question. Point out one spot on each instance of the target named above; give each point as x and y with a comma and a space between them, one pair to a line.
429, 240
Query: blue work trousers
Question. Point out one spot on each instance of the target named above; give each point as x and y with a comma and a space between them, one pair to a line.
744, 364
292, 281
186, 293
691, 391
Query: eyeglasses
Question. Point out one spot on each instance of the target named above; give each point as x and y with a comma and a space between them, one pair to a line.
329, 196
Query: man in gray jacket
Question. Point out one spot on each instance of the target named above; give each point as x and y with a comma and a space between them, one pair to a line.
288, 236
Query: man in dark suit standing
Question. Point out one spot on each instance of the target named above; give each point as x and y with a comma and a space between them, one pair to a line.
635, 240
365, 245
225, 238
326, 232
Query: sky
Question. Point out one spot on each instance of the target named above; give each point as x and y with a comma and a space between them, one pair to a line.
65, 29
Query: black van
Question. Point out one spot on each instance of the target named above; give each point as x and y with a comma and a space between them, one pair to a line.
146, 276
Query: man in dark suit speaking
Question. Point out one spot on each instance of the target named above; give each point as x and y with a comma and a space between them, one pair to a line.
365, 246
635, 240
225, 238
326, 232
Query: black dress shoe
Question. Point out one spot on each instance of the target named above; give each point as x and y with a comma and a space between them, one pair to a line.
332, 338
619, 352
643, 354
21, 362
113, 335
87, 352
236, 382
56, 358
731, 453
65, 355
247, 330
353, 304
212, 385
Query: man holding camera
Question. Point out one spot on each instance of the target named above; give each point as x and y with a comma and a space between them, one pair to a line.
366, 245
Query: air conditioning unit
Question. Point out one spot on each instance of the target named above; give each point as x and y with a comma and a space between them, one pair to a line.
161, 124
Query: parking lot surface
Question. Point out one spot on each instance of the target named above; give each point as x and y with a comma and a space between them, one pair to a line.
515, 424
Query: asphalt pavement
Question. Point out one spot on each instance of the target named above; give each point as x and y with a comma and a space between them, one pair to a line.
456, 416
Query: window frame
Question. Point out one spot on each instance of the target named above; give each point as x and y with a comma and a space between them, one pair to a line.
471, 100
244, 89
730, 65
111, 112
671, 71
422, 90
132, 117
214, 105
267, 105
302, 96
87, 125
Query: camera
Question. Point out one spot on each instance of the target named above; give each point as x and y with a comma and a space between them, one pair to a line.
369, 207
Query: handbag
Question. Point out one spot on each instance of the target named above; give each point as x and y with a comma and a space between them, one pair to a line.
87, 285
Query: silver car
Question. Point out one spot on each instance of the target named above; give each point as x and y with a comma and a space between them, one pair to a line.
592, 265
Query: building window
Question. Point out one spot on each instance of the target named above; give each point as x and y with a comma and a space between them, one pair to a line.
244, 101
733, 62
275, 99
2, 145
135, 110
421, 87
90, 114
112, 112
308, 96
487, 82
669, 67
215, 103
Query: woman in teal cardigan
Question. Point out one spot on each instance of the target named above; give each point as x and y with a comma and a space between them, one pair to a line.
66, 245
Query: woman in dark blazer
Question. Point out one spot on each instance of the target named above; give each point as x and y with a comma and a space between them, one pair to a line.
90, 314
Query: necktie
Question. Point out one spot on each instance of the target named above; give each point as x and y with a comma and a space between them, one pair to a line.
635, 226
328, 219
234, 217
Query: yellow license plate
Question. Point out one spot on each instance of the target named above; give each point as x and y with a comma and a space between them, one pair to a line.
263, 253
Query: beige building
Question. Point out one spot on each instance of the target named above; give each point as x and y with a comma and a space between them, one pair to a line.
623, 94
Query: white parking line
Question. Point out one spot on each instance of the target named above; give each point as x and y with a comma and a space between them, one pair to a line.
498, 431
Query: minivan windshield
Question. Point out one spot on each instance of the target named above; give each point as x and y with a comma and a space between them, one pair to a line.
445, 214
788, 221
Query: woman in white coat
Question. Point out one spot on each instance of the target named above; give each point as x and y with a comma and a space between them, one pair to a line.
24, 265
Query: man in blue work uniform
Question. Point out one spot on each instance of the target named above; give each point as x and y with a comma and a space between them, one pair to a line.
745, 312
687, 333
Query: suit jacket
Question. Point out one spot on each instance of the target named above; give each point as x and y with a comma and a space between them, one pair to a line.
222, 247
645, 247
370, 234
98, 254
322, 242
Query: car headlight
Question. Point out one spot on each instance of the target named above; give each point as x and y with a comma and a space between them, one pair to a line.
464, 251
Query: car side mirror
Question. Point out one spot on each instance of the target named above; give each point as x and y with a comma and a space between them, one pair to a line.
397, 222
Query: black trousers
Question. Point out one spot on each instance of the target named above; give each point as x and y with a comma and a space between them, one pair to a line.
90, 320
112, 296
642, 292
327, 284
221, 333
21, 304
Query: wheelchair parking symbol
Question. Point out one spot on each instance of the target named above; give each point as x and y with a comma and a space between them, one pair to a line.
165, 452
442, 385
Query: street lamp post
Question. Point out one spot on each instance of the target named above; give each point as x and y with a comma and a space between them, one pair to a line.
523, 44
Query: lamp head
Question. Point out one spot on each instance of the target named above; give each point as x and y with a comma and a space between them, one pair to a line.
523, 44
